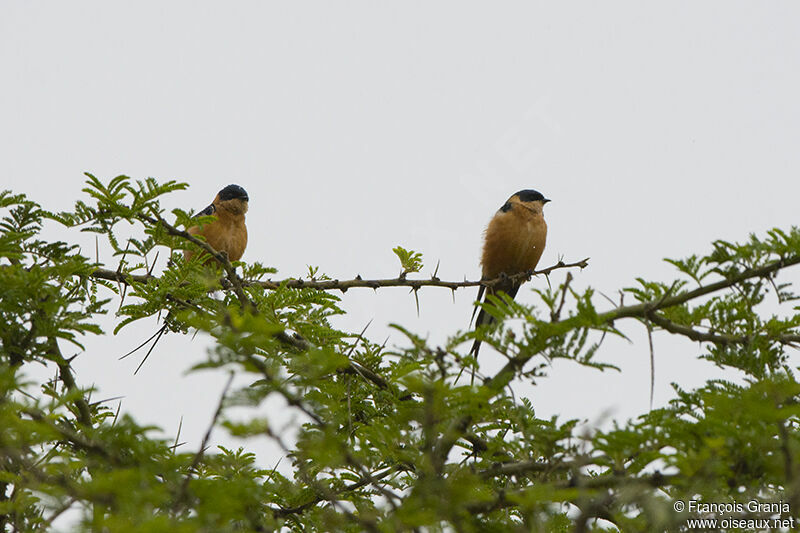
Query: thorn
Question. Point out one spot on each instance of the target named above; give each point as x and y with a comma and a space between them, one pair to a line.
116, 415
358, 277
436, 271
96, 250
122, 299
150, 270
416, 298
178, 435
121, 259
98, 402
160, 333
360, 336
153, 336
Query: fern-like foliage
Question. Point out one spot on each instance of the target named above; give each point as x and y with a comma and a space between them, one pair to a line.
387, 439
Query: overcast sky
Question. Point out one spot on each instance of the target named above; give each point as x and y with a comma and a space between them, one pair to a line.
655, 128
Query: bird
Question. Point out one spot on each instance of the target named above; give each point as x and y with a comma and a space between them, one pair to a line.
226, 234
513, 243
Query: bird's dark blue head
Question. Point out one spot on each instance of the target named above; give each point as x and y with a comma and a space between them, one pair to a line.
529, 195
522, 197
233, 192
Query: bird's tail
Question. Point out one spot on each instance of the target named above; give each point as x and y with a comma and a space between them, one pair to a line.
485, 318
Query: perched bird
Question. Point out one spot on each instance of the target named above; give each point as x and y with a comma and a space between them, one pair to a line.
513, 243
227, 234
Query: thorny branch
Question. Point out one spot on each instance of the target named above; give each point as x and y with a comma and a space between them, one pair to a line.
323, 492
66, 377
237, 284
233, 281
512, 499
362, 482
642, 310
184, 488
459, 427
716, 338
344, 285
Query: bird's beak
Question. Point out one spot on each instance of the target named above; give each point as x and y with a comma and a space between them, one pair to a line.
545, 200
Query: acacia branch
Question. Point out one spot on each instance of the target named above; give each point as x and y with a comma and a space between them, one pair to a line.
459, 426
362, 482
66, 377
716, 338
344, 285
512, 498
121, 277
415, 284
642, 310
233, 281
184, 488
296, 401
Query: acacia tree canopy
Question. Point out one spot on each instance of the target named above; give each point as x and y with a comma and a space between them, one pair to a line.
390, 440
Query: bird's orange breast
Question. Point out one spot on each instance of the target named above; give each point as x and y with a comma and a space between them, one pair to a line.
514, 243
231, 239
226, 234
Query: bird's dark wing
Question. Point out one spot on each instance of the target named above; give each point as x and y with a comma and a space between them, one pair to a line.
208, 211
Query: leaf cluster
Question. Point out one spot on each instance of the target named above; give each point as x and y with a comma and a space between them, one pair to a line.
380, 438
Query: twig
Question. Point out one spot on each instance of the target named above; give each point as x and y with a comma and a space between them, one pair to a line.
322, 491
364, 481
66, 377
555, 316
181, 496
47, 522
716, 338
652, 363
74, 438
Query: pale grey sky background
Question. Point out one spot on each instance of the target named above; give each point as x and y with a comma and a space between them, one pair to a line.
655, 128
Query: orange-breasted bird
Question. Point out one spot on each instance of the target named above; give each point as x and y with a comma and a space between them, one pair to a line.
228, 234
513, 243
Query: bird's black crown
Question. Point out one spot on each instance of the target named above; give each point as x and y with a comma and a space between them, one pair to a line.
529, 195
233, 191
